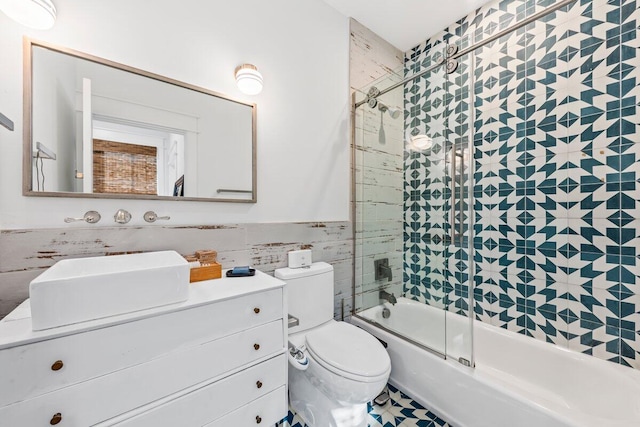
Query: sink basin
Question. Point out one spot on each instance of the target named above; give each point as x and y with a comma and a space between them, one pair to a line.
77, 290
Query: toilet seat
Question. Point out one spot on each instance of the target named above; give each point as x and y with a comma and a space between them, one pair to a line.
348, 351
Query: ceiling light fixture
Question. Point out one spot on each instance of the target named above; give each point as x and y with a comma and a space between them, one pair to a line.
36, 14
248, 79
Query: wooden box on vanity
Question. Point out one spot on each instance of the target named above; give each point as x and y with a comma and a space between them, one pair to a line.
218, 359
205, 272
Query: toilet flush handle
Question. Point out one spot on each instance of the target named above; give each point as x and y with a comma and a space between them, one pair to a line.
293, 321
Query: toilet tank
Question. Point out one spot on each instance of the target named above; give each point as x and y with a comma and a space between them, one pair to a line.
309, 294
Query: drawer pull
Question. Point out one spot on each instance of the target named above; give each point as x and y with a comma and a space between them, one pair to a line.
256, 346
258, 419
259, 384
256, 310
56, 419
57, 365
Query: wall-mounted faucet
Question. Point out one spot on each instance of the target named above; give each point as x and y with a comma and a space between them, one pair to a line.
91, 217
122, 216
384, 295
382, 269
151, 216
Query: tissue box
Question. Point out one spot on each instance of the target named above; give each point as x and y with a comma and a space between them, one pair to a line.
299, 259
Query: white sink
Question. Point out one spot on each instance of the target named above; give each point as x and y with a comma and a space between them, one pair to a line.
77, 290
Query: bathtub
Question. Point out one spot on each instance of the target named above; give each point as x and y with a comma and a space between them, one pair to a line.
517, 381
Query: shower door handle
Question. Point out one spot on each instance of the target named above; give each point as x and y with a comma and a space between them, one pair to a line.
459, 214
452, 224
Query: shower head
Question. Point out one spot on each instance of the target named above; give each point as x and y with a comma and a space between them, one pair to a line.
394, 112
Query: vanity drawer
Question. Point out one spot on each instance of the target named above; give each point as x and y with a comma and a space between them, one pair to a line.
31, 370
105, 397
214, 400
265, 411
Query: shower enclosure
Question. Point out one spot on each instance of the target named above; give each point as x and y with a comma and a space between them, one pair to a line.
412, 204
414, 136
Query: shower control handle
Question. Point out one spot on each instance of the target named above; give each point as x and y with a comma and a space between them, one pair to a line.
151, 216
382, 269
90, 217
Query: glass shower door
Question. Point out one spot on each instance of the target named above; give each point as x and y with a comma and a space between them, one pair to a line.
412, 174
378, 181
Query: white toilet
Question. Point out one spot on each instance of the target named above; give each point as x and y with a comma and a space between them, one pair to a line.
339, 367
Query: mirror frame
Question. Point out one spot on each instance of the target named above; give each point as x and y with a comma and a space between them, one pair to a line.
27, 170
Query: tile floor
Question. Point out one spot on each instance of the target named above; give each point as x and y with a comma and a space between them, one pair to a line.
400, 411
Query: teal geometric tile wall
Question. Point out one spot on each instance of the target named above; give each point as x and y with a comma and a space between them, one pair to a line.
556, 183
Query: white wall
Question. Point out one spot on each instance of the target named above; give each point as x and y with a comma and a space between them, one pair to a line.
301, 48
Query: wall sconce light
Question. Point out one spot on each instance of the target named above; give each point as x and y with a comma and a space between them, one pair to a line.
36, 14
248, 79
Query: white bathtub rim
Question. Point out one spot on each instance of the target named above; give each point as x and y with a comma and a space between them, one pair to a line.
501, 370
463, 370
630, 377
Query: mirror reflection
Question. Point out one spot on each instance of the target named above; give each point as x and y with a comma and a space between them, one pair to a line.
100, 129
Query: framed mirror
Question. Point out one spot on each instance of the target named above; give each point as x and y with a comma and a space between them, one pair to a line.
96, 128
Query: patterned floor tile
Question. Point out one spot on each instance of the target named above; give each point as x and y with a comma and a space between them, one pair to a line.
399, 411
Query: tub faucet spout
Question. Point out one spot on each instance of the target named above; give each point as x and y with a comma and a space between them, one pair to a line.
384, 295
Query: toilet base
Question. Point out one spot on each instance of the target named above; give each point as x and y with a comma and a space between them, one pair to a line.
318, 410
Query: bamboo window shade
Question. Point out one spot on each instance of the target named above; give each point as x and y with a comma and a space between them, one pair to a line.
124, 168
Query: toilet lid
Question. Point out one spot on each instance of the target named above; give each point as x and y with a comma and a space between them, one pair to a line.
349, 350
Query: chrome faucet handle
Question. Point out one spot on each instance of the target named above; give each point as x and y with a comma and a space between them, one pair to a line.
91, 217
122, 216
151, 216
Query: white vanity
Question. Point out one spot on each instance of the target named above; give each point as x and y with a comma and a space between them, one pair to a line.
217, 359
